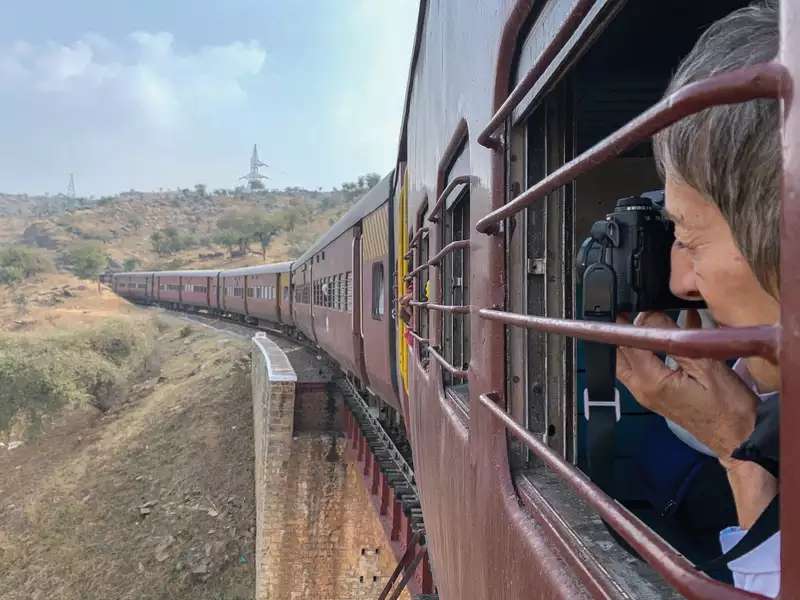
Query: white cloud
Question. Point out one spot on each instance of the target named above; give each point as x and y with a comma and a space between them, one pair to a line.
136, 96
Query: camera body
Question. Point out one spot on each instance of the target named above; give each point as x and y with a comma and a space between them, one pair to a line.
625, 263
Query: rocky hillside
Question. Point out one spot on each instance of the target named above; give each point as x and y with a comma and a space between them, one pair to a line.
192, 229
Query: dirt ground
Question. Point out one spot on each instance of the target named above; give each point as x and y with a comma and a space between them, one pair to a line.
152, 499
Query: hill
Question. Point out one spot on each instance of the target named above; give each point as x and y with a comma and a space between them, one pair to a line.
183, 229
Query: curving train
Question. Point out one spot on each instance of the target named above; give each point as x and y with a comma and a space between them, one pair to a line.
449, 291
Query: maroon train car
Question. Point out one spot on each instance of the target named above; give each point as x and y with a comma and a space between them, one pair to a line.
516, 137
264, 298
134, 286
196, 287
342, 286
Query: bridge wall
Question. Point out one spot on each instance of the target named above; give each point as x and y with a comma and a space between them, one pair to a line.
317, 534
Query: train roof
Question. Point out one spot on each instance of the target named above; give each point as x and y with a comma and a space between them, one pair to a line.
131, 273
282, 267
368, 203
195, 273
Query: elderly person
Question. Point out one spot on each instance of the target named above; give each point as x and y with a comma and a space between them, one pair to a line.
722, 171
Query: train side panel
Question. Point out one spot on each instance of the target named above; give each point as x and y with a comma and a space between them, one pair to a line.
262, 296
301, 305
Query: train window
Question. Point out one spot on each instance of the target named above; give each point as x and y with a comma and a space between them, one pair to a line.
348, 293
378, 300
455, 291
422, 285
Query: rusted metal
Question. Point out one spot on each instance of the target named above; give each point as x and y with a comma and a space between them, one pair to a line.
437, 258
722, 343
414, 240
454, 371
409, 573
451, 308
406, 558
454, 183
659, 554
451, 247
568, 27
764, 80
419, 338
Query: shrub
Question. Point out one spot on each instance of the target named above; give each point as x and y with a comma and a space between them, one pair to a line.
20, 262
40, 374
87, 259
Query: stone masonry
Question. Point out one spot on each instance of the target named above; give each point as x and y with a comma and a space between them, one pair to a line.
317, 534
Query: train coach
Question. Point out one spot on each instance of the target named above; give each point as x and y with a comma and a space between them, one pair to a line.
523, 125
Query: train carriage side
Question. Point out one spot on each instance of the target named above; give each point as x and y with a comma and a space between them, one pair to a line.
169, 286
376, 282
508, 516
232, 292
261, 293
302, 272
285, 296
196, 287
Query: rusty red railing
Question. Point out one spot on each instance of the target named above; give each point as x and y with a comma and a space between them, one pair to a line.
453, 370
568, 27
750, 83
664, 559
414, 240
721, 343
454, 183
408, 557
451, 308
437, 258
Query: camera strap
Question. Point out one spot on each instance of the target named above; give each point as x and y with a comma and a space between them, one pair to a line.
601, 404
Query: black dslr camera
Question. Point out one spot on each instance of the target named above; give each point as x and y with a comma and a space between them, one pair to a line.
625, 262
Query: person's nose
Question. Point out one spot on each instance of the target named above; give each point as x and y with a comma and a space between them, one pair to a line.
682, 280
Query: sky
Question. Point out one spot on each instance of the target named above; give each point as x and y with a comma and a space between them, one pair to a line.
159, 94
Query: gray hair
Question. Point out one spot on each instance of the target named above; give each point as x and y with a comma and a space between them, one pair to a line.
731, 154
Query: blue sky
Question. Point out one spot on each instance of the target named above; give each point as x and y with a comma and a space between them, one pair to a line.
158, 94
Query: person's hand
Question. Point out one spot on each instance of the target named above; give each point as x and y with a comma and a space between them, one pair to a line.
703, 396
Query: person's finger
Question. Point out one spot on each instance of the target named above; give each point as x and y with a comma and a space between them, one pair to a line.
640, 370
693, 320
654, 319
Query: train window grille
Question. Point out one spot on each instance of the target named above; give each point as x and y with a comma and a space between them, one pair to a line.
421, 290
378, 292
554, 182
348, 284
455, 292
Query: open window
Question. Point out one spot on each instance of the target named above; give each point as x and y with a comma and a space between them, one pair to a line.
378, 292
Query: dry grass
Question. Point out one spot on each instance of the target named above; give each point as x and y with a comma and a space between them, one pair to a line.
71, 522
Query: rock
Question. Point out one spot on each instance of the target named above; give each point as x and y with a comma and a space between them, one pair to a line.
14, 445
161, 553
212, 513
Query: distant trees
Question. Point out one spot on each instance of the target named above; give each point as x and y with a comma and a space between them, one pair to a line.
130, 263
169, 241
200, 189
355, 189
20, 262
87, 259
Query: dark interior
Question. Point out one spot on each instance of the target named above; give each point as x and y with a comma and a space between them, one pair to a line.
623, 73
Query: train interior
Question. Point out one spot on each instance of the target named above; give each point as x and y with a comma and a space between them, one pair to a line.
622, 73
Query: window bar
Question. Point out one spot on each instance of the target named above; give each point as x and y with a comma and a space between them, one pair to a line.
449, 308
414, 240
437, 208
764, 80
670, 564
418, 337
568, 27
437, 258
454, 371
721, 344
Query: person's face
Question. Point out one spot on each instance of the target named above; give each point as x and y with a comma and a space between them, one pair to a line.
707, 264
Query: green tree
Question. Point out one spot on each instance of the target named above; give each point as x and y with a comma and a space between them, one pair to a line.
227, 238
264, 229
20, 262
87, 259
130, 263
200, 189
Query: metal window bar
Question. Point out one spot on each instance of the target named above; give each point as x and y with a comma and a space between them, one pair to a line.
765, 80
720, 344
437, 258
419, 338
404, 560
454, 183
666, 561
517, 95
454, 371
448, 308
414, 240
